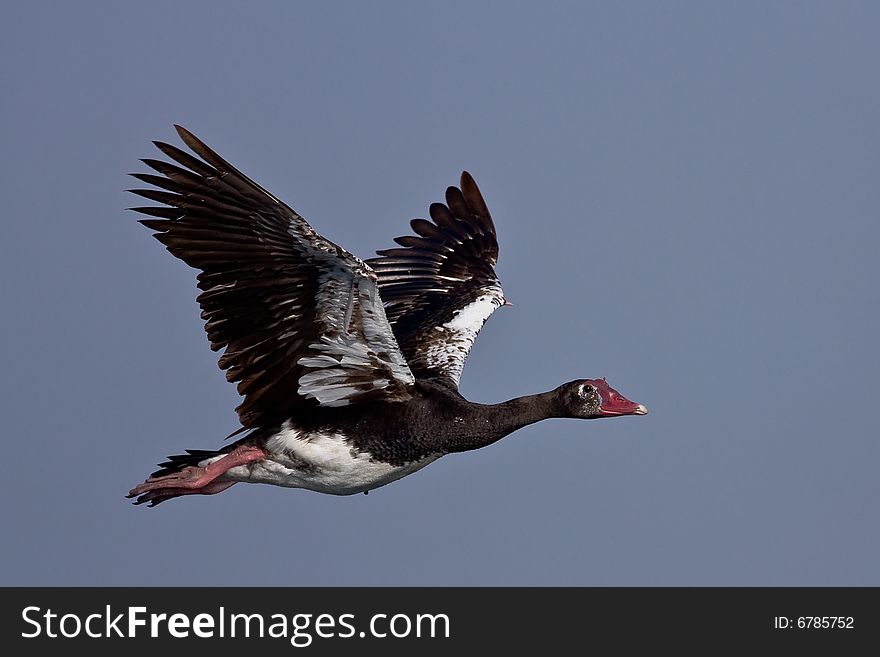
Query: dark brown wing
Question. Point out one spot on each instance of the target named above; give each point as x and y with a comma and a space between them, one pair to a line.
441, 286
299, 318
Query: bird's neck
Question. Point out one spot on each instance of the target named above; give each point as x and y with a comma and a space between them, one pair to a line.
485, 424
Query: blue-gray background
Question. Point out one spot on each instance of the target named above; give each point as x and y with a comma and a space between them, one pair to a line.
686, 196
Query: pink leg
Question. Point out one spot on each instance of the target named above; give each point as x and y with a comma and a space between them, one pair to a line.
155, 497
193, 480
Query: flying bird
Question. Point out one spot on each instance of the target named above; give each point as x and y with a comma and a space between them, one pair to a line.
349, 369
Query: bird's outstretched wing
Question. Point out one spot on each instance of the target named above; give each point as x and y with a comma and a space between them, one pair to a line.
299, 318
440, 287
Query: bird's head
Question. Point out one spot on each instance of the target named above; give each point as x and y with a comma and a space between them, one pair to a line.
594, 398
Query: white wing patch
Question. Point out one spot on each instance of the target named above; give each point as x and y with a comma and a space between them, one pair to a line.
450, 343
357, 352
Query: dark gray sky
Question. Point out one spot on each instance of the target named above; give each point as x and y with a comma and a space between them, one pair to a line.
686, 196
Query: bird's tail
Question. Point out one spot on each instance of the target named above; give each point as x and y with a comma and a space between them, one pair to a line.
194, 457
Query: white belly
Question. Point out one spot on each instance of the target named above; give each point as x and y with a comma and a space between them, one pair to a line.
321, 462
